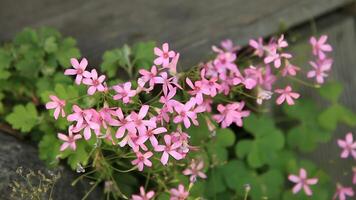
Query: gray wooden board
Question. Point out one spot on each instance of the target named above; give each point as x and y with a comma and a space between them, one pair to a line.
190, 26
340, 29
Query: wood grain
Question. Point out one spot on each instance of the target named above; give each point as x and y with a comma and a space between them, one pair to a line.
190, 26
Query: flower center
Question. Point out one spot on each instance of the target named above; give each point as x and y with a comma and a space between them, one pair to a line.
80, 71
96, 82
165, 55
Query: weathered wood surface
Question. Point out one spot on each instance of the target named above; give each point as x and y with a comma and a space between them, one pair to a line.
190, 26
340, 29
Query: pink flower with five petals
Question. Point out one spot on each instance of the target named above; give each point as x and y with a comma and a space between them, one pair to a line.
79, 69
195, 170
302, 182
170, 148
69, 140
142, 160
178, 193
94, 82
56, 104
342, 192
320, 46
124, 92
186, 113
348, 145
286, 95
143, 195
164, 55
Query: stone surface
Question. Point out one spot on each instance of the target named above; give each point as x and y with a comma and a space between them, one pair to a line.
15, 153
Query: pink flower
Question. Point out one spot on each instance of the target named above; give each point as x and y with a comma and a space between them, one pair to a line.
137, 121
320, 67
229, 46
163, 55
268, 78
168, 100
169, 149
258, 46
142, 160
231, 113
195, 170
123, 123
172, 66
276, 58
286, 94
124, 92
56, 104
150, 134
69, 141
79, 69
198, 90
342, 192
290, 69
179, 193
185, 113
143, 195
210, 86
302, 182
167, 83
226, 60
348, 145
354, 177
147, 76
89, 123
320, 46
281, 42
77, 116
95, 82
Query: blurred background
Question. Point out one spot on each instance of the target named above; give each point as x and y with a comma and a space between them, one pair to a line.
191, 27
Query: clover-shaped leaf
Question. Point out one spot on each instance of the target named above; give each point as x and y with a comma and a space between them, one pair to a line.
331, 91
268, 139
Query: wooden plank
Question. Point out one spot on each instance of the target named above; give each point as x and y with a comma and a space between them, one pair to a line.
341, 33
191, 26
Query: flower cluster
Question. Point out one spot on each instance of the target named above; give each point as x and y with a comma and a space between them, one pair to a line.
158, 128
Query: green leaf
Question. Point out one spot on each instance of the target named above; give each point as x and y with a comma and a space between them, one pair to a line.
67, 49
110, 62
215, 184
4, 74
80, 156
48, 149
27, 36
198, 134
243, 148
50, 45
5, 59
23, 118
143, 54
115, 59
331, 91
267, 141
225, 137
336, 113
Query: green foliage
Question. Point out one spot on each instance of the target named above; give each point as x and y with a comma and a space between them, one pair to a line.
308, 133
23, 117
130, 60
268, 139
31, 66
336, 113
